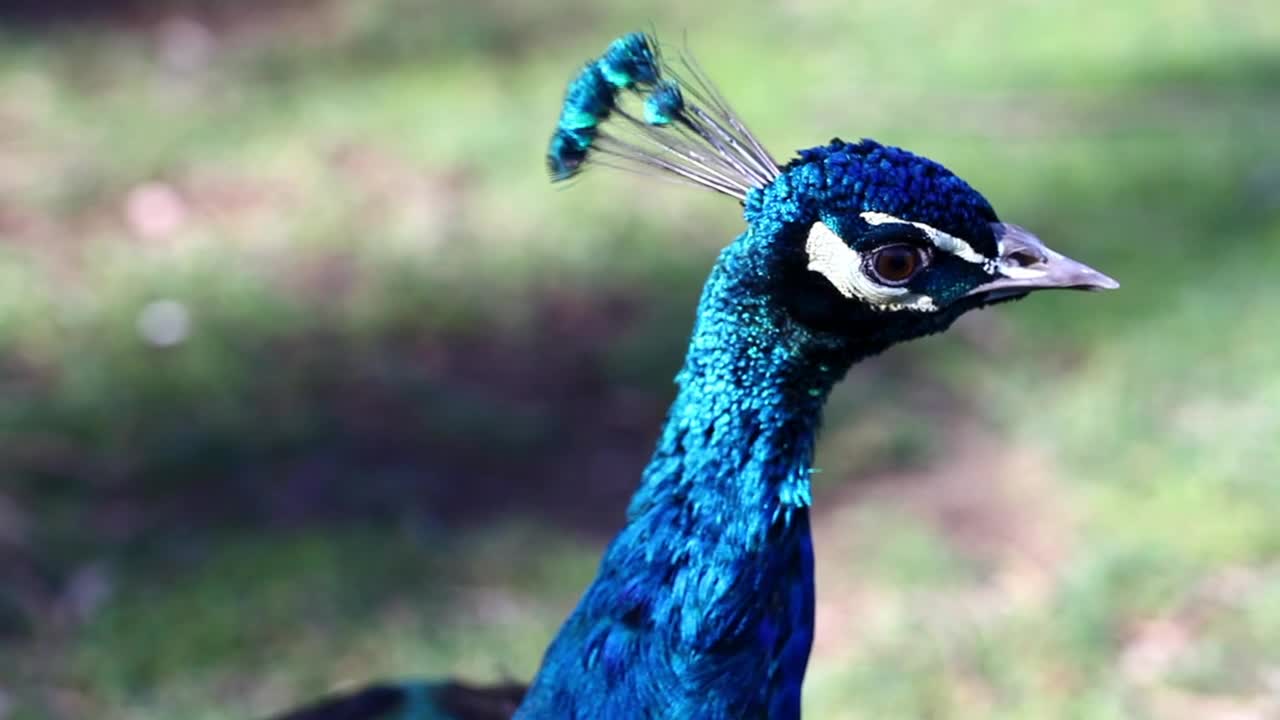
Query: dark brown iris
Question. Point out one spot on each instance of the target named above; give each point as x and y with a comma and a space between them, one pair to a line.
896, 264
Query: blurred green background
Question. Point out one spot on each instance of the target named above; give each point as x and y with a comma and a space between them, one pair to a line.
309, 377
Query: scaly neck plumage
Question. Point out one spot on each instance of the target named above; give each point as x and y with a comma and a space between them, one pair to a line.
703, 605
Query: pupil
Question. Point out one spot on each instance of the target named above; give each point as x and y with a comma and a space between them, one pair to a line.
896, 263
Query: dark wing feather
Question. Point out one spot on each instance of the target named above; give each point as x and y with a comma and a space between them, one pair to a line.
492, 702
448, 700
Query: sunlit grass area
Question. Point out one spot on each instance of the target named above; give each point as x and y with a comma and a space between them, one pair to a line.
308, 377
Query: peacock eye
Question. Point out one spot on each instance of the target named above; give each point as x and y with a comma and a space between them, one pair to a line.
896, 264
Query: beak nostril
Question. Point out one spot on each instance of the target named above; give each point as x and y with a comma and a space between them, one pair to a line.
1024, 258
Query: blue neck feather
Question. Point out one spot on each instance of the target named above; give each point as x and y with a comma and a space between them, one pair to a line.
703, 606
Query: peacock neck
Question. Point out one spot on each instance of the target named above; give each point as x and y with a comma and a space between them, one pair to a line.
736, 451
703, 605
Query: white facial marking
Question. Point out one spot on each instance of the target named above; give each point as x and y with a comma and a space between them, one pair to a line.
842, 266
939, 239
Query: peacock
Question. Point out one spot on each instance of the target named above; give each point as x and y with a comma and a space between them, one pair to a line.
703, 605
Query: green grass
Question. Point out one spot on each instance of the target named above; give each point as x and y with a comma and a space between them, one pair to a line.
385, 294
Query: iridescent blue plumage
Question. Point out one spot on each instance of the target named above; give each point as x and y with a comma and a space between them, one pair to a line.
567, 152
587, 102
707, 146
664, 104
630, 61
842, 179
703, 605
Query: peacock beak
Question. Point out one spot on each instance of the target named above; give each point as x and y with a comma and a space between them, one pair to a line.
1027, 264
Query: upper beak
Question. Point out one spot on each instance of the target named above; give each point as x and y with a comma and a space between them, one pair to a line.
1026, 264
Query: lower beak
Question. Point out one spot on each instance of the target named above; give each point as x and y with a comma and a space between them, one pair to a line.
1026, 264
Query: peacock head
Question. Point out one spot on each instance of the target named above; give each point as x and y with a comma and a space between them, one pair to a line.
864, 237
851, 239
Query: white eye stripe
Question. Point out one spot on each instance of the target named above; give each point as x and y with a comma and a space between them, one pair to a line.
842, 266
943, 241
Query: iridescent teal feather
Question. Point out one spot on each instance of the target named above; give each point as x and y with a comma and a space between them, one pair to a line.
705, 144
631, 61
664, 105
